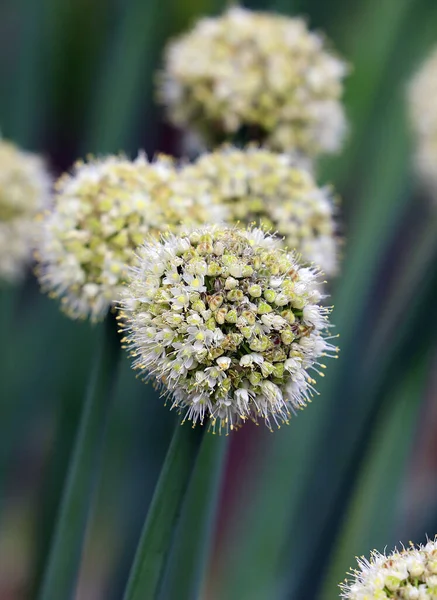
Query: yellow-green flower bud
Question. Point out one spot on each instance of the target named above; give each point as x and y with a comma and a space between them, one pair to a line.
255, 291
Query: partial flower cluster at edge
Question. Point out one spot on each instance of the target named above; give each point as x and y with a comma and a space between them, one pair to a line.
24, 192
409, 574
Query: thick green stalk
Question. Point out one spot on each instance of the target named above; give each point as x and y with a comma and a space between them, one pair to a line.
189, 557
163, 515
64, 556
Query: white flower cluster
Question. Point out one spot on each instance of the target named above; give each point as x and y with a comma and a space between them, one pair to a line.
228, 322
24, 192
259, 76
270, 190
101, 213
407, 575
423, 112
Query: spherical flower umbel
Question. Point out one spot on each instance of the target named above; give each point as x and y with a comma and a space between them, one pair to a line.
256, 75
423, 112
229, 323
410, 574
24, 191
269, 189
101, 213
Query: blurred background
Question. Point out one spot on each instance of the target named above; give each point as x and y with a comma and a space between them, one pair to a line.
356, 470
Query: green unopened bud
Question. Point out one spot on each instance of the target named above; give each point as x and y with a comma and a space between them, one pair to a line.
211, 323
259, 344
255, 291
278, 370
297, 302
255, 378
235, 296
267, 369
247, 331
214, 269
270, 295
392, 583
231, 316
288, 315
287, 337
264, 308
198, 306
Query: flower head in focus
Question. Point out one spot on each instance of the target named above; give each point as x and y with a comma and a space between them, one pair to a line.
410, 574
269, 189
101, 213
24, 191
423, 113
256, 75
229, 323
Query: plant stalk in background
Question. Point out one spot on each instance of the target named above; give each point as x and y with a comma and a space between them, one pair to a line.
64, 557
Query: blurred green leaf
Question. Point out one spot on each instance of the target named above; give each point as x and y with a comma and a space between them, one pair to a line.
375, 386
64, 556
125, 93
374, 509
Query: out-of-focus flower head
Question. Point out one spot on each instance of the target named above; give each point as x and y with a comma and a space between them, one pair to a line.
270, 190
260, 76
101, 213
24, 191
423, 111
229, 323
410, 574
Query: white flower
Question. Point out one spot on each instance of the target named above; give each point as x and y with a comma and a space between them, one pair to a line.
195, 282
258, 71
224, 352
101, 213
224, 362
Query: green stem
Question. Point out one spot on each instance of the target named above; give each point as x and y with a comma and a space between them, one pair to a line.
64, 556
190, 554
163, 515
